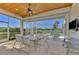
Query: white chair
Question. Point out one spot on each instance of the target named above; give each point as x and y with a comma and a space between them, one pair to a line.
19, 38
30, 41
27, 39
24, 40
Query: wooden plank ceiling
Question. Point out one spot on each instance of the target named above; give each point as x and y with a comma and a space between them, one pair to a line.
21, 8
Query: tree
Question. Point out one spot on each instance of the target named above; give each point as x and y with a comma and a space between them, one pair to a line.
55, 26
55, 29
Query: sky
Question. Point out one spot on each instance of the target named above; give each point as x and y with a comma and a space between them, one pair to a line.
13, 22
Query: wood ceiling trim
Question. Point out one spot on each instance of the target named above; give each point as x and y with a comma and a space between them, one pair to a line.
37, 7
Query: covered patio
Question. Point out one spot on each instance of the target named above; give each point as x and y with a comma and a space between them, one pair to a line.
36, 41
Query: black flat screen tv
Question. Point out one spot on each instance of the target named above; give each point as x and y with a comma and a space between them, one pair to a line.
74, 24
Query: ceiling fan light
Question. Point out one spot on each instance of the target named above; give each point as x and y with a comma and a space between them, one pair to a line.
29, 11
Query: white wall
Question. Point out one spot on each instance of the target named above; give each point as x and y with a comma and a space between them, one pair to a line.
74, 14
74, 11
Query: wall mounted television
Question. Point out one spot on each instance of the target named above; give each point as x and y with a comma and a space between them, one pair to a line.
74, 25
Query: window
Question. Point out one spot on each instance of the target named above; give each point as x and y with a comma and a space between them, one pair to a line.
14, 23
14, 27
27, 27
3, 27
51, 26
3, 18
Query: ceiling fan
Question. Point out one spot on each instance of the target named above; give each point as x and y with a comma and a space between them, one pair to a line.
29, 10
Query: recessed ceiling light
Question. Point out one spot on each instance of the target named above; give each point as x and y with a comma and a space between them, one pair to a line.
16, 9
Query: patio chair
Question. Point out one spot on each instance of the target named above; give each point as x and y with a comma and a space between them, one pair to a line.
73, 46
23, 40
19, 38
27, 39
31, 41
44, 43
